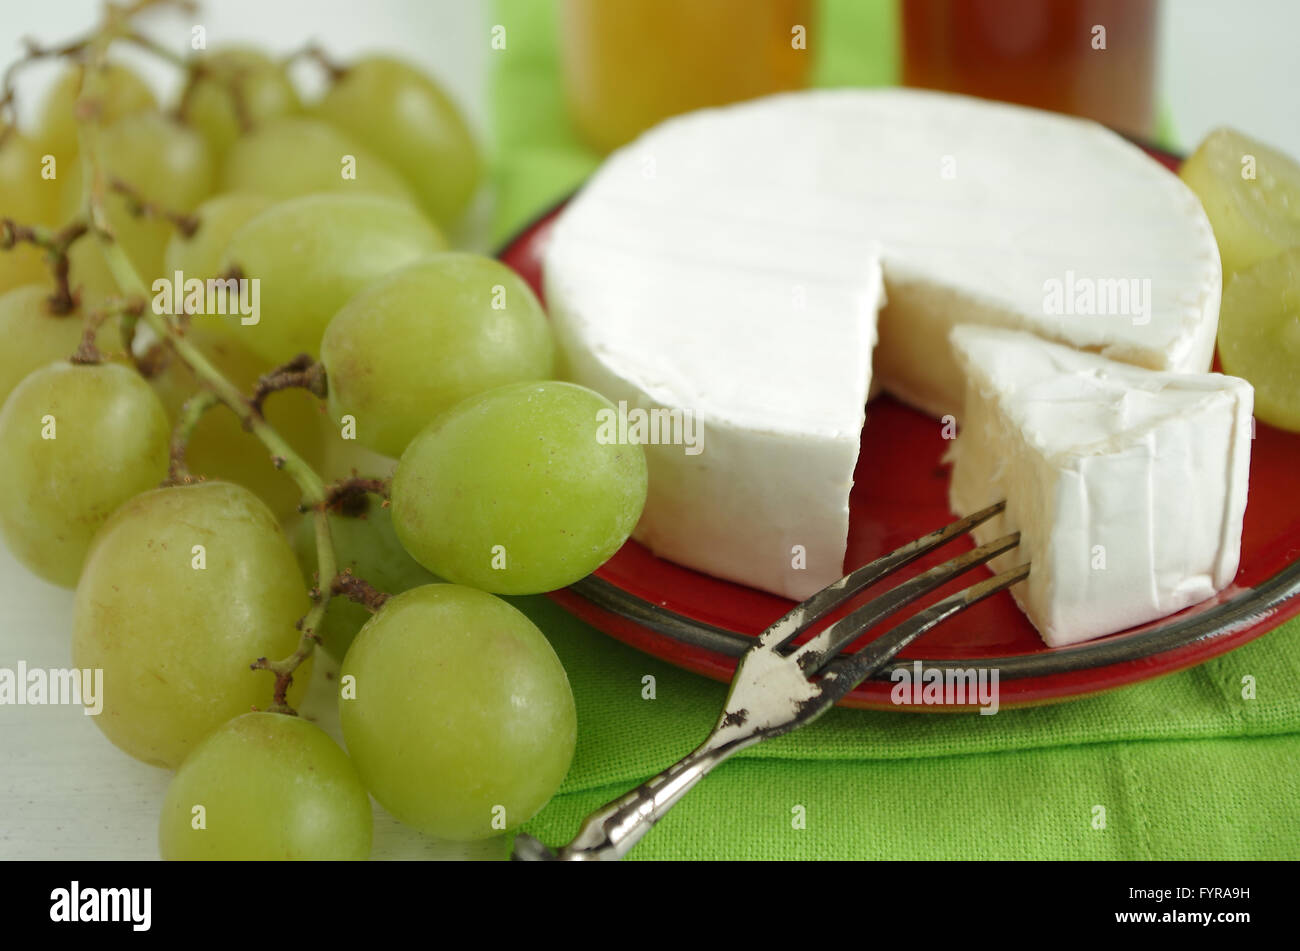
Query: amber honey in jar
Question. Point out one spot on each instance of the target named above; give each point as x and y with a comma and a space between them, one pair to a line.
629, 64
1093, 58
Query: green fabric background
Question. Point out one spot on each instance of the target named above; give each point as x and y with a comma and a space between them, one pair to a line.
1184, 766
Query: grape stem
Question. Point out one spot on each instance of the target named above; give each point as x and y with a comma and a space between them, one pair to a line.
196, 72
218, 387
34, 52
302, 372
87, 354
314, 53
188, 419
55, 244
358, 590
156, 48
140, 207
88, 351
348, 496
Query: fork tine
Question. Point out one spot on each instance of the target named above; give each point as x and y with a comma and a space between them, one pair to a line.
814, 655
770, 695
808, 612
857, 667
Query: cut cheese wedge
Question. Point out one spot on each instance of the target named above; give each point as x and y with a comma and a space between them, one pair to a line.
1128, 486
732, 263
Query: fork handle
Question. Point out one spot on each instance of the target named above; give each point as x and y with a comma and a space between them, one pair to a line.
610, 832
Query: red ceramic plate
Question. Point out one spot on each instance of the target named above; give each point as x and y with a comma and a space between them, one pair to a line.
703, 624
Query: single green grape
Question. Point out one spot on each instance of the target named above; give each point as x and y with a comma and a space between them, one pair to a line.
405, 117
122, 93
166, 164
1259, 336
183, 589
220, 447
266, 787
295, 156
420, 340
515, 490
461, 712
238, 89
311, 254
27, 198
365, 543
198, 255
78, 441
1251, 194
36, 337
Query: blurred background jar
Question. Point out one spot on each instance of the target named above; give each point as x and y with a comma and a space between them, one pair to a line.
628, 64
1093, 58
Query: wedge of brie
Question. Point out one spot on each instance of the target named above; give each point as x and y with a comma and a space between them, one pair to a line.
732, 263
1127, 486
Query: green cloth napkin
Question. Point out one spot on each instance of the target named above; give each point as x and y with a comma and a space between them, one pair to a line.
1183, 767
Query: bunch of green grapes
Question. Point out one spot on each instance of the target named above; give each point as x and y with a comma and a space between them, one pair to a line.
1251, 194
295, 252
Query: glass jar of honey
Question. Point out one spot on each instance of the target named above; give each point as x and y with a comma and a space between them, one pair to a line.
630, 63
1093, 58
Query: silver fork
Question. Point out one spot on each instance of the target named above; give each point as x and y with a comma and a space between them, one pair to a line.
775, 691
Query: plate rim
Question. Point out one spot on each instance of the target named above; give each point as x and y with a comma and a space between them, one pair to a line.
1251, 608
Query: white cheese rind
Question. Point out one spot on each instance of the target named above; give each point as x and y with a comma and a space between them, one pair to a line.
1128, 486
730, 263
1034, 198
685, 322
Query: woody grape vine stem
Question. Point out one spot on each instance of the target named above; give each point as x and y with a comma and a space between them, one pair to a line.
55, 244
186, 422
118, 17
95, 191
